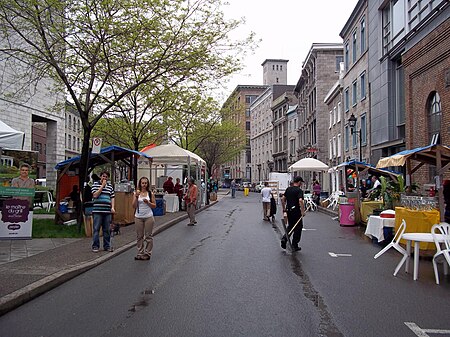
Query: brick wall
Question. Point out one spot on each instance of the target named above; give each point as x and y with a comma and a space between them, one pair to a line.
426, 66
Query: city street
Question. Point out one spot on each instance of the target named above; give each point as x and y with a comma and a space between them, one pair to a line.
228, 276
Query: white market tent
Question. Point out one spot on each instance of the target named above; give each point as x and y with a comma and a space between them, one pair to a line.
167, 158
171, 154
308, 164
9, 138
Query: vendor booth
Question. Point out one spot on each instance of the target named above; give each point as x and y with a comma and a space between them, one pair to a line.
172, 160
436, 155
347, 176
121, 179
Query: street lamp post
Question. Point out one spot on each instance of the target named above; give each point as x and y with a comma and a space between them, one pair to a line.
352, 123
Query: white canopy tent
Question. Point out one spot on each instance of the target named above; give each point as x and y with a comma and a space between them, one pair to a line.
313, 165
170, 160
308, 164
171, 154
9, 138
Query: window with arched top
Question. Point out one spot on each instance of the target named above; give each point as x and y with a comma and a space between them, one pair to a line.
434, 118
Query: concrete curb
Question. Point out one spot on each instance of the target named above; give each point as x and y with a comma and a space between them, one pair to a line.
17, 298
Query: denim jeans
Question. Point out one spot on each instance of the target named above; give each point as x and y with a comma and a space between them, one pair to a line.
101, 220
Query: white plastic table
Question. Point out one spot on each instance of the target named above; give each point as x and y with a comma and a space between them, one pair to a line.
375, 226
417, 238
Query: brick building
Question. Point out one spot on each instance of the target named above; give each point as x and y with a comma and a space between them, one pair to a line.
427, 92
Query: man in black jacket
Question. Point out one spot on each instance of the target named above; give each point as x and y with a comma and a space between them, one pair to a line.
293, 207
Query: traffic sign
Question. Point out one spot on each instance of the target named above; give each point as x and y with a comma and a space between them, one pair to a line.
96, 145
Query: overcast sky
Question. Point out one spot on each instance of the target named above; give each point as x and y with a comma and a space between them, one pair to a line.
287, 29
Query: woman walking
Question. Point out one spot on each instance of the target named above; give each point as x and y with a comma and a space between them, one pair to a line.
143, 202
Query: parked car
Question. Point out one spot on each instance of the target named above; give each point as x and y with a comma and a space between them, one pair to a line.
259, 186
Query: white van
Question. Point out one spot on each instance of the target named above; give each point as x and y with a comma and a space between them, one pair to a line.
41, 182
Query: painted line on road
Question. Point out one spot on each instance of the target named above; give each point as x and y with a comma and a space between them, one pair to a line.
339, 255
309, 229
424, 332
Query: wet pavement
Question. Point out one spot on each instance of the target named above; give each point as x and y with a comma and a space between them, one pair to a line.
29, 268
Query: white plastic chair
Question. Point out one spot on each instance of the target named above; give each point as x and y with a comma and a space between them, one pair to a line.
395, 244
333, 199
443, 253
51, 203
310, 205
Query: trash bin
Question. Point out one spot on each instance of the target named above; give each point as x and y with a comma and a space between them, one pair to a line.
347, 214
246, 189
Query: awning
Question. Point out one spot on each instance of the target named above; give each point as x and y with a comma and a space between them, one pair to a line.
363, 166
96, 159
427, 154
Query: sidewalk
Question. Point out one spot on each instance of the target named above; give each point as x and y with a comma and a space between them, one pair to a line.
29, 268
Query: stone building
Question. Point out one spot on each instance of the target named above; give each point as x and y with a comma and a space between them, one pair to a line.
356, 99
22, 104
239, 105
319, 73
245, 167
283, 103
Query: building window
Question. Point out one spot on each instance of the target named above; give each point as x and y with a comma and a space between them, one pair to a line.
330, 149
386, 28
331, 119
339, 151
334, 147
354, 93
363, 34
339, 60
363, 129
434, 118
69, 143
346, 138
247, 126
363, 85
346, 99
334, 115
346, 60
354, 49
339, 112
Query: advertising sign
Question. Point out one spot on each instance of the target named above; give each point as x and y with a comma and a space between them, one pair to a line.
16, 207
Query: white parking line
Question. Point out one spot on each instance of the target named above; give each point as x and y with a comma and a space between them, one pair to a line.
309, 229
424, 332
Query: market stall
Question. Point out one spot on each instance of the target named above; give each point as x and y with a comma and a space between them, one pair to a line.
172, 160
121, 179
436, 155
354, 171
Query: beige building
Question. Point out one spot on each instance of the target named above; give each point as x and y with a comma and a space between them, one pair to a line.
356, 100
319, 73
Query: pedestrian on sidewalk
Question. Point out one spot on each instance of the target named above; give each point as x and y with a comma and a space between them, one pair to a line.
191, 201
102, 210
144, 222
178, 190
266, 193
233, 188
294, 207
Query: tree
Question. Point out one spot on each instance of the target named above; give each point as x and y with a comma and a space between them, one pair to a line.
220, 144
89, 46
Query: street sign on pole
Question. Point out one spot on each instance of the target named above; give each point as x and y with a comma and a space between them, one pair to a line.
96, 145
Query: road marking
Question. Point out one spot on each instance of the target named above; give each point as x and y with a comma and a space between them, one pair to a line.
339, 255
309, 229
424, 332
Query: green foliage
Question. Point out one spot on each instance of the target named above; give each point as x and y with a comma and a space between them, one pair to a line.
101, 52
46, 228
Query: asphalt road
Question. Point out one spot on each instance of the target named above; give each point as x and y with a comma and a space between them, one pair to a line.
228, 276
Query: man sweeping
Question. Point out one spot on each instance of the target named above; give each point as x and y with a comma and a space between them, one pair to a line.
293, 207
